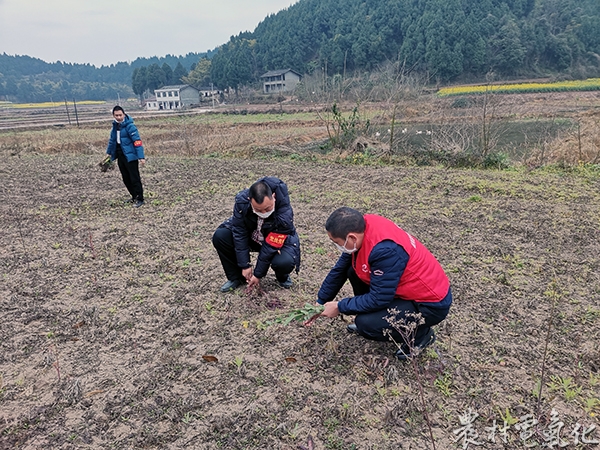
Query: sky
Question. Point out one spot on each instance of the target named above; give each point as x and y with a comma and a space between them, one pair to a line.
103, 32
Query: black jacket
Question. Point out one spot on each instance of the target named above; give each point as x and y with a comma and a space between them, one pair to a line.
243, 222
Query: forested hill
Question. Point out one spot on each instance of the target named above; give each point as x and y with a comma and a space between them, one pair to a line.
30, 79
19, 66
448, 39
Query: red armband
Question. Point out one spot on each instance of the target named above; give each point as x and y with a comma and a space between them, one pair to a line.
137, 143
276, 239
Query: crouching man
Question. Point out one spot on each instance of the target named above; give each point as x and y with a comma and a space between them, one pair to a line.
262, 222
389, 270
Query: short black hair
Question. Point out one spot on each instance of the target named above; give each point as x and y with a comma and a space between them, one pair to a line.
259, 190
118, 108
345, 220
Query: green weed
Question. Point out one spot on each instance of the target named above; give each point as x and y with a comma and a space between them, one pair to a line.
507, 417
444, 384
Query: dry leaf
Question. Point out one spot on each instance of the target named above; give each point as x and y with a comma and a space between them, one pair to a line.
97, 391
210, 358
290, 359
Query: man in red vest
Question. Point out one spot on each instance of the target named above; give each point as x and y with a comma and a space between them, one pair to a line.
389, 270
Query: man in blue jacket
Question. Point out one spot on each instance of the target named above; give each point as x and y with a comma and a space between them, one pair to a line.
125, 145
263, 222
394, 277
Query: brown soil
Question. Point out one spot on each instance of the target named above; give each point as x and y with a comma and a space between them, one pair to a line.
110, 315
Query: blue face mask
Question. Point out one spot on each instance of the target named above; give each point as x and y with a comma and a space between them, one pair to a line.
343, 248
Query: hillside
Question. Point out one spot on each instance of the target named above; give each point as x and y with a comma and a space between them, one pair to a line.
448, 40
443, 41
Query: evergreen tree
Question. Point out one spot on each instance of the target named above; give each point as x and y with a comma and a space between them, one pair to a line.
168, 73
178, 73
507, 51
139, 81
156, 77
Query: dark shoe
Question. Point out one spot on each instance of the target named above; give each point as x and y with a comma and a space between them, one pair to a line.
287, 283
404, 353
231, 285
352, 328
138, 203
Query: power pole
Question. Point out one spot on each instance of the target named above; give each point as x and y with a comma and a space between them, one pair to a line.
67, 108
75, 107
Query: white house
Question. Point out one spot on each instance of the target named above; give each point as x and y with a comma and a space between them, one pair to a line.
280, 80
176, 97
150, 104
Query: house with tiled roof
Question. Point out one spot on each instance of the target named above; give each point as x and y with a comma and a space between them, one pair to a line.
280, 80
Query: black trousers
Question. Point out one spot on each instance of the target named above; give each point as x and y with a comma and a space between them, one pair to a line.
282, 263
371, 325
130, 171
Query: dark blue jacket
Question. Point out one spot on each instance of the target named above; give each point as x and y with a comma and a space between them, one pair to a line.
244, 222
386, 258
131, 143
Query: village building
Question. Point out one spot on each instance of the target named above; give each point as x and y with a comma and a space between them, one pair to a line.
280, 81
174, 97
150, 104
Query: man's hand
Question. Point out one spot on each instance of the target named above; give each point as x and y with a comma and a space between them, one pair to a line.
331, 310
253, 281
142, 161
247, 273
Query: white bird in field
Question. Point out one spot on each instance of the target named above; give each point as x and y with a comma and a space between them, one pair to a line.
419, 132
429, 132
404, 131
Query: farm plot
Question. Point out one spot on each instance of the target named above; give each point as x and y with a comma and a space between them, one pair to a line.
114, 334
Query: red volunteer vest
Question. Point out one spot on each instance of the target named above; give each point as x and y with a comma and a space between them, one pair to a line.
423, 279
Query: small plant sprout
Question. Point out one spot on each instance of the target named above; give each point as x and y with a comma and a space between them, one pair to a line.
507, 417
294, 432
566, 386
238, 361
591, 405
381, 390
345, 410
444, 384
188, 417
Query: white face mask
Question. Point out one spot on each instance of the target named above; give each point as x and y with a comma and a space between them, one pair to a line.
263, 215
344, 249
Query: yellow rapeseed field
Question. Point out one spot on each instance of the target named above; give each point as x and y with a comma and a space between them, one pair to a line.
47, 104
591, 84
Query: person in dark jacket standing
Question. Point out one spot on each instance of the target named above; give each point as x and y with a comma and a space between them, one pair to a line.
389, 270
263, 222
125, 145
